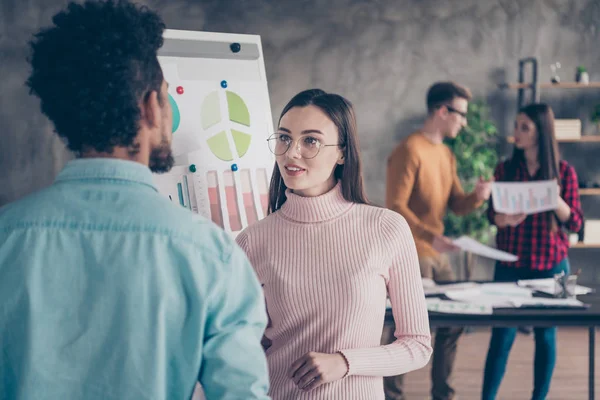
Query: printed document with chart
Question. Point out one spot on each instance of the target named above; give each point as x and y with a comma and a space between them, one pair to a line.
525, 197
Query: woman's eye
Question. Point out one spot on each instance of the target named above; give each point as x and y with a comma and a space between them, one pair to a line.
311, 141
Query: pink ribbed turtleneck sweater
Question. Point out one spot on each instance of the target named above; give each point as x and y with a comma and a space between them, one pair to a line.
326, 266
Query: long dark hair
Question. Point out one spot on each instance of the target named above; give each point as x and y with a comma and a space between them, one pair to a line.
548, 156
341, 113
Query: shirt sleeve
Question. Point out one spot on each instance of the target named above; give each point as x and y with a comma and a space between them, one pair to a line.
498, 177
460, 202
234, 364
402, 170
570, 194
412, 348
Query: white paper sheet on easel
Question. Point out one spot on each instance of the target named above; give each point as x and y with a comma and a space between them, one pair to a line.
473, 246
525, 197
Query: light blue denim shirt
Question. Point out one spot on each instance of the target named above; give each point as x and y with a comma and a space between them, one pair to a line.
110, 291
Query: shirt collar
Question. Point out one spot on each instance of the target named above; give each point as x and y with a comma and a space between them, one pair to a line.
106, 169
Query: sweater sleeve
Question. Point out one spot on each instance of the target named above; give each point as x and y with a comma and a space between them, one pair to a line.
412, 348
243, 241
461, 203
402, 171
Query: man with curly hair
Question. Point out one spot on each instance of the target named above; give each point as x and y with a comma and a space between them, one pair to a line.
108, 290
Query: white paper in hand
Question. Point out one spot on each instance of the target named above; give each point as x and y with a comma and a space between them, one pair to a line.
525, 197
473, 246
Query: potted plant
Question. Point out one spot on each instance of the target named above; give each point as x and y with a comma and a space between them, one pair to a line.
582, 75
476, 156
595, 117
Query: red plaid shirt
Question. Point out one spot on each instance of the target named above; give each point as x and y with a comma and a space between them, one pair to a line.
533, 241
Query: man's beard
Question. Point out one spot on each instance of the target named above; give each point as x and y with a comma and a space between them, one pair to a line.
161, 158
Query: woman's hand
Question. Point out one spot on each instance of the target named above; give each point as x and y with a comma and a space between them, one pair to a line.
314, 369
563, 211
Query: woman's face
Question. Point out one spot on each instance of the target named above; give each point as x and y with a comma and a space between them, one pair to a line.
526, 134
308, 165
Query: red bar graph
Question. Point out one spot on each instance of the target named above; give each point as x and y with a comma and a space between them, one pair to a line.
248, 197
216, 213
235, 222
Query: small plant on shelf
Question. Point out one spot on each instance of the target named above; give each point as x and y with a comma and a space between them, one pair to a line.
595, 117
582, 75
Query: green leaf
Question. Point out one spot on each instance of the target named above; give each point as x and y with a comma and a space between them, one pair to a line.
476, 155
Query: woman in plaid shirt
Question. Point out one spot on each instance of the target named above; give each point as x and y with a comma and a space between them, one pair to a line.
539, 240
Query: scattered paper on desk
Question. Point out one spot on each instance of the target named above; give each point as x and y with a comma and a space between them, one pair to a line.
505, 289
473, 246
454, 307
548, 286
428, 283
441, 289
491, 294
548, 302
525, 197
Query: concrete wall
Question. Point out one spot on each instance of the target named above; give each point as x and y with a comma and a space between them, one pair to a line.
382, 55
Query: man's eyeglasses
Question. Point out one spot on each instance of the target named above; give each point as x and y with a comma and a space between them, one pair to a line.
454, 110
307, 146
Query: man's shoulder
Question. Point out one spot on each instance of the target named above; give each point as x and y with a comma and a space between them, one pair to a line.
144, 213
415, 139
411, 144
28, 206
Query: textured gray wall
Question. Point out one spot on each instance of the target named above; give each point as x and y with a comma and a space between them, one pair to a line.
381, 54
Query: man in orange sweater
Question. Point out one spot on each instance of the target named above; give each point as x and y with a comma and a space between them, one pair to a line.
422, 184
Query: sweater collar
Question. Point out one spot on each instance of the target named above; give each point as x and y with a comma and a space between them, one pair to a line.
315, 209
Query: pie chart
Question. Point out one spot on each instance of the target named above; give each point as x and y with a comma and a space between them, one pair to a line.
231, 120
176, 115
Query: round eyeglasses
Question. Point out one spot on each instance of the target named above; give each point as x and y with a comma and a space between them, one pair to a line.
307, 146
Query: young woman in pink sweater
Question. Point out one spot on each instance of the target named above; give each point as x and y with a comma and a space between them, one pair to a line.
327, 261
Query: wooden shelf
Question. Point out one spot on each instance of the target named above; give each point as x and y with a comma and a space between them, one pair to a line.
585, 246
589, 191
584, 138
549, 85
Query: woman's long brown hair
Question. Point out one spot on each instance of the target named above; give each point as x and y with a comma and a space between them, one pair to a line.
548, 156
341, 113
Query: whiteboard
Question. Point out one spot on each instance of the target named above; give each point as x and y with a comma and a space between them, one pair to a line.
221, 121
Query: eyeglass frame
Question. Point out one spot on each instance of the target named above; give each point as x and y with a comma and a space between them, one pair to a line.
454, 110
297, 142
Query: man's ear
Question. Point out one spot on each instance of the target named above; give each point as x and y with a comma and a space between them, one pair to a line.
150, 109
443, 111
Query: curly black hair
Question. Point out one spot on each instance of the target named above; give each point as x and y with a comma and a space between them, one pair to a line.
91, 69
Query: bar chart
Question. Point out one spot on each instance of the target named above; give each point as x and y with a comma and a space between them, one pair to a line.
525, 197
